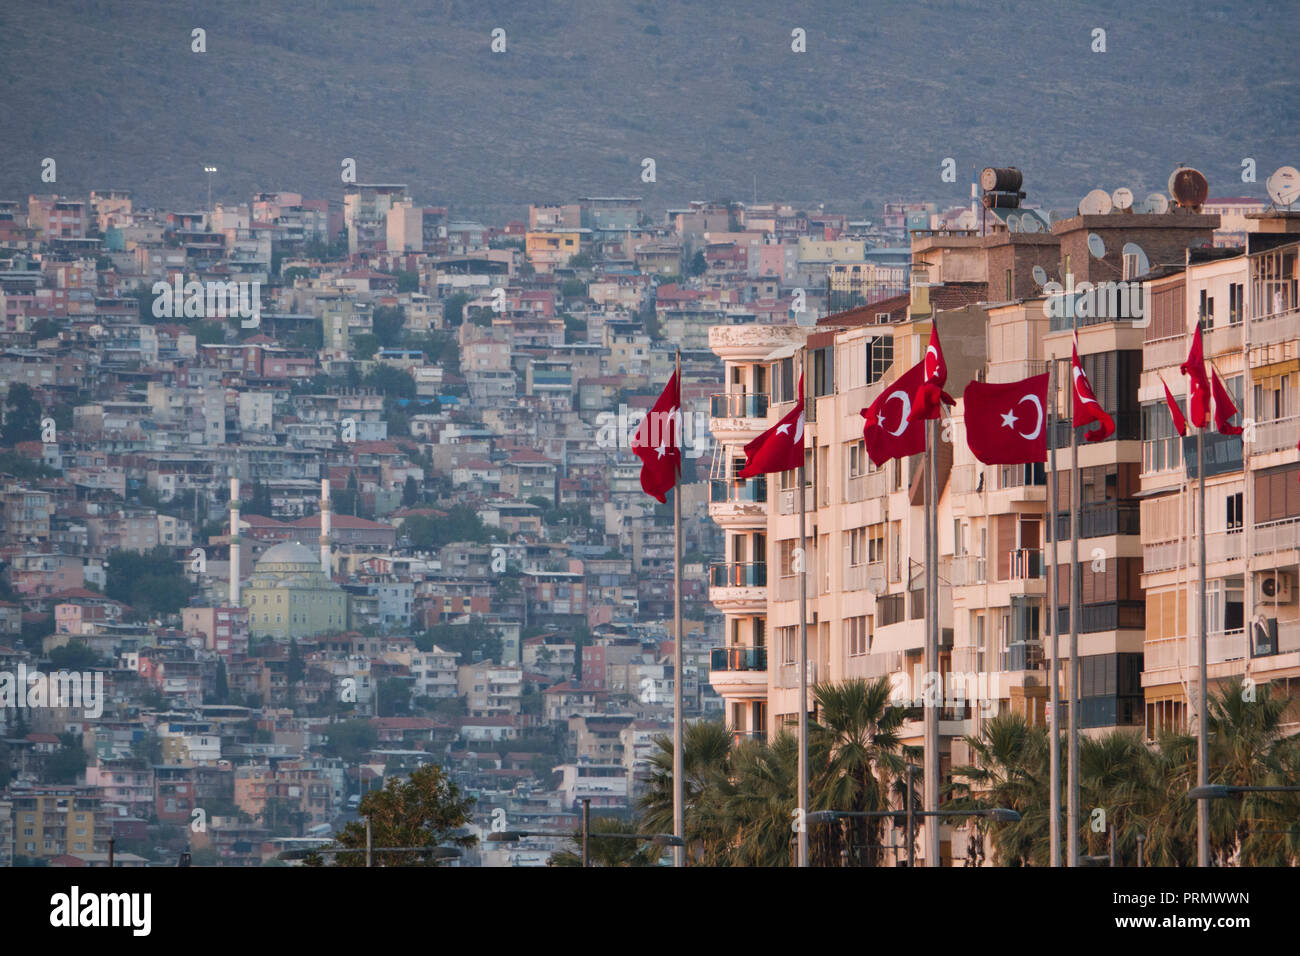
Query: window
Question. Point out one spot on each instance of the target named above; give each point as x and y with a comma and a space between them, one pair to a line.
788, 638
1008, 281
1235, 515
880, 356
1206, 314
876, 544
1161, 447
856, 546
1236, 303
856, 640
857, 458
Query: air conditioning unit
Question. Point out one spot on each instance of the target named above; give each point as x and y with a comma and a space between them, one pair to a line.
1275, 587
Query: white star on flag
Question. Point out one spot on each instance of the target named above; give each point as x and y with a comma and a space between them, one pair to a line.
1009, 419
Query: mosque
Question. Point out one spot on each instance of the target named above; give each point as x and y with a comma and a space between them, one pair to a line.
290, 593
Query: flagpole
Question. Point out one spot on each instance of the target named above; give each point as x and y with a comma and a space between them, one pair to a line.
1054, 729
931, 780
802, 836
1072, 759
1202, 722
679, 761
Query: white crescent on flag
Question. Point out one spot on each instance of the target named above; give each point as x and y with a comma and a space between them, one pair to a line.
1078, 373
907, 410
1038, 429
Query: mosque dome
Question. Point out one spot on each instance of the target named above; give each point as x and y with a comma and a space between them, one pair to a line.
289, 556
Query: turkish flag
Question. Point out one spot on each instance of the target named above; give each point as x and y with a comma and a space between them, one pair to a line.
658, 443
1180, 423
926, 401
1198, 402
1223, 406
890, 431
780, 448
1006, 424
1086, 407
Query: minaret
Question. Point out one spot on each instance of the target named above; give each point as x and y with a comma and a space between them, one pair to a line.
325, 528
234, 542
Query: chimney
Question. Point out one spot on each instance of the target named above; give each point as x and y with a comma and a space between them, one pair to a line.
325, 527
234, 542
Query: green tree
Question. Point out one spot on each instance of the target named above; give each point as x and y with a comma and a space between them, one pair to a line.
424, 810
67, 763
365, 346
606, 851
388, 321
706, 759
453, 309
699, 265
349, 740
22, 415
410, 492
73, 656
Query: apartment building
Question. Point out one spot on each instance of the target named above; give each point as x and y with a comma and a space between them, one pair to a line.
58, 821
865, 553
1245, 301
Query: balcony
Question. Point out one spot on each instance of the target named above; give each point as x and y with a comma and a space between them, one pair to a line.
1100, 520
734, 502
1113, 616
1276, 536
1276, 435
1128, 427
738, 659
968, 570
787, 585
739, 405
1164, 353
738, 587
1025, 564
1274, 328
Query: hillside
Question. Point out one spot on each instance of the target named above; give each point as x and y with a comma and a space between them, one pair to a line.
586, 90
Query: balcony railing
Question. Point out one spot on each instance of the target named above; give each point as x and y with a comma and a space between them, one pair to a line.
788, 676
1022, 656
1025, 564
738, 659
739, 405
753, 491
1113, 616
1097, 520
1277, 435
968, 569
1128, 426
1281, 535
1276, 327
752, 575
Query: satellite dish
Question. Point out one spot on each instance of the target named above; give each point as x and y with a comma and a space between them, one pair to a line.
876, 586
1040, 275
1013, 223
1143, 264
1096, 246
1188, 186
1157, 204
966, 220
1284, 186
1122, 197
1096, 203
1030, 223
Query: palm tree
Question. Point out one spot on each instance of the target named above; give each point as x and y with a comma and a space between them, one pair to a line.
607, 852
1248, 748
855, 749
1010, 769
760, 800
1168, 818
1114, 777
706, 759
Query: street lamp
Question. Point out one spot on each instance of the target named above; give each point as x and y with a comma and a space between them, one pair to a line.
514, 836
1216, 791
209, 170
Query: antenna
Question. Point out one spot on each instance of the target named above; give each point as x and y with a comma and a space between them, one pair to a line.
1096, 203
1189, 187
1284, 186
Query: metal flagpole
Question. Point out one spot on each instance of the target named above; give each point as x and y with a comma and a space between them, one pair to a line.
802, 838
1054, 687
679, 760
935, 700
1072, 759
1202, 717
